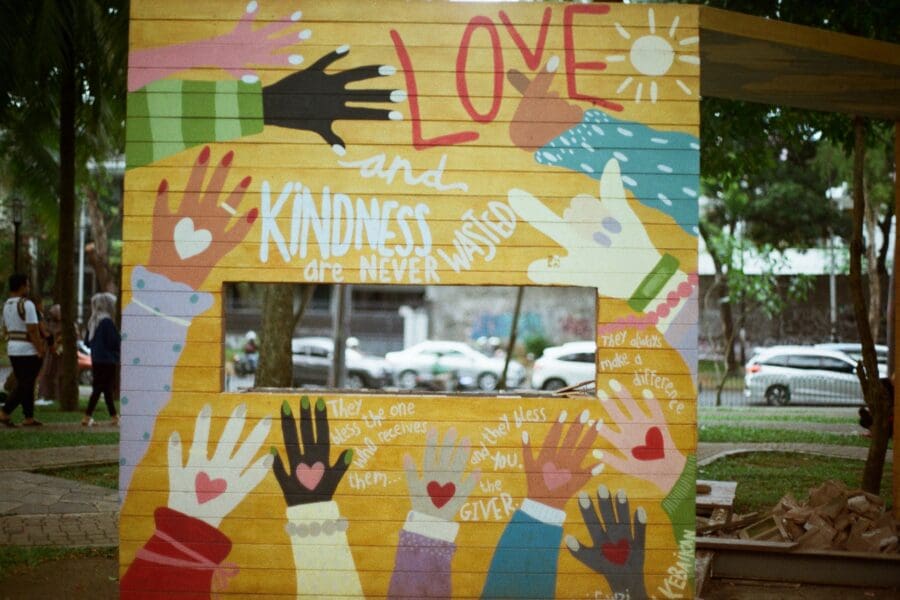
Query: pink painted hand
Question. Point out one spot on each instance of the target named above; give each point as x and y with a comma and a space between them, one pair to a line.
234, 51
643, 438
557, 472
210, 488
541, 115
442, 488
190, 240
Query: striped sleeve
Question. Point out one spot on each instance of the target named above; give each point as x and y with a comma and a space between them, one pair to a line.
169, 116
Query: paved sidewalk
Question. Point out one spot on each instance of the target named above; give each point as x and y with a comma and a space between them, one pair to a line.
708, 452
39, 510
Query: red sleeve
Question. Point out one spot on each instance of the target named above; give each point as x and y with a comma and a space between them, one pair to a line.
179, 560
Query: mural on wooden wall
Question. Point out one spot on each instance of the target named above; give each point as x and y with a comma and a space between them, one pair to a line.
409, 143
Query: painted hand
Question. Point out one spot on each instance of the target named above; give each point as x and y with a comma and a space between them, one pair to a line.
210, 488
618, 551
189, 241
557, 472
441, 489
312, 100
541, 115
311, 477
648, 451
245, 45
593, 231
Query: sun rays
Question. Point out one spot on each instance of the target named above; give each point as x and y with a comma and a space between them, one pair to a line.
652, 56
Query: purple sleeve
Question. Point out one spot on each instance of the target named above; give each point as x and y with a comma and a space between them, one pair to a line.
422, 567
154, 329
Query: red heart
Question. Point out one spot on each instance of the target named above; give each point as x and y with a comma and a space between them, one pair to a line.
441, 494
208, 489
616, 553
652, 448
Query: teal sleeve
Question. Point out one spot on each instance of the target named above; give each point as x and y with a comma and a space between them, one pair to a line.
524, 563
171, 115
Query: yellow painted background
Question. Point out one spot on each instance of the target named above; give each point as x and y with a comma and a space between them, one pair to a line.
489, 166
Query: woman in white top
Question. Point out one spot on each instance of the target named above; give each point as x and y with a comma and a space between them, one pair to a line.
25, 348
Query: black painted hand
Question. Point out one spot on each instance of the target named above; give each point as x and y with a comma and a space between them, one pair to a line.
311, 478
617, 553
313, 100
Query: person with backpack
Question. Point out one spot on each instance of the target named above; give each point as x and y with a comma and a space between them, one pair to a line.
25, 347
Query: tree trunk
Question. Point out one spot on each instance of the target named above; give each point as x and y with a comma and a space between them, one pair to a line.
874, 392
65, 267
871, 225
275, 368
883, 276
98, 251
514, 330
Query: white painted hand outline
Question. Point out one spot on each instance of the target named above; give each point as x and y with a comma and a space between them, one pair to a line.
441, 490
601, 231
210, 488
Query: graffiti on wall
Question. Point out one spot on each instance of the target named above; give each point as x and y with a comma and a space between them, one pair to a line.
410, 143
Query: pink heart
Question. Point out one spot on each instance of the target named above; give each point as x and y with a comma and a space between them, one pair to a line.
310, 476
554, 477
208, 489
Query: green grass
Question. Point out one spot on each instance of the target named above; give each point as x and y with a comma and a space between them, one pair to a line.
13, 558
101, 475
764, 477
776, 416
730, 434
27, 438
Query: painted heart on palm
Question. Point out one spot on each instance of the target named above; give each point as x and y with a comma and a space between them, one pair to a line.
440, 494
208, 489
653, 446
616, 553
190, 241
555, 477
309, 476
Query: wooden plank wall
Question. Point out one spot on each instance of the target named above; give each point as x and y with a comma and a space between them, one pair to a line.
410, 143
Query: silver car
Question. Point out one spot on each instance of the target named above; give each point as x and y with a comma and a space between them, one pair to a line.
312, 358
472, 368
802, 374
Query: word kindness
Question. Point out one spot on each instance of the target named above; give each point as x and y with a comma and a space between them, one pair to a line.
395, 237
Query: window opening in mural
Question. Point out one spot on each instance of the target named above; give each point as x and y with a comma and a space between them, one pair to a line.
423, 338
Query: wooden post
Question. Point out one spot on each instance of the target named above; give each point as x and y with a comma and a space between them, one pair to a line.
892, 319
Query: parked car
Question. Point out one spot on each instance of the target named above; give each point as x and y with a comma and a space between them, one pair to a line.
854, 351
562, 366
796, 374
312, 358
473, 369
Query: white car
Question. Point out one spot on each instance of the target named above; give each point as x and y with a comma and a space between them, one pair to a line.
797, 374
472, 368
562, 366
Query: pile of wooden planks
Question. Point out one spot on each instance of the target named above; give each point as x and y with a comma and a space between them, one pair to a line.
834, 517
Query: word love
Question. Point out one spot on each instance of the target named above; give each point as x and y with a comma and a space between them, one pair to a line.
574, 15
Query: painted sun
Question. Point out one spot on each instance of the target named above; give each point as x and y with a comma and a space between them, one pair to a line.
652, 55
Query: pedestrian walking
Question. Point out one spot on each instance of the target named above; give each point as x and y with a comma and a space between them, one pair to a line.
25, 348
48, 380
104, 341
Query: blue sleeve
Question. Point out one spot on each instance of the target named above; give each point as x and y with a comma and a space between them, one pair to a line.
524, 563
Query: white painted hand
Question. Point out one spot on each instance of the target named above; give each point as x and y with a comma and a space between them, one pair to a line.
210, 488
607, 244
441, 490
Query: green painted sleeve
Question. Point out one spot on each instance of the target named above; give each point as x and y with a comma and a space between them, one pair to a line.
680, 503
172, 115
